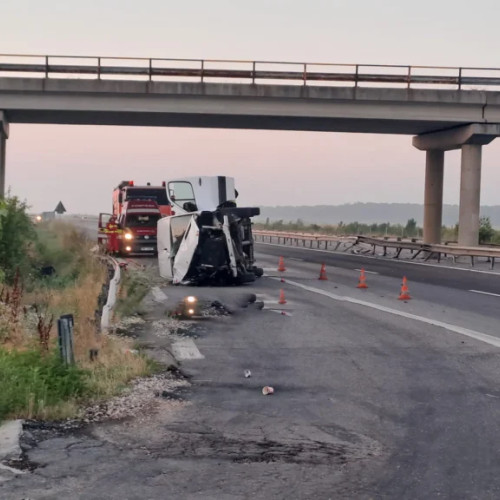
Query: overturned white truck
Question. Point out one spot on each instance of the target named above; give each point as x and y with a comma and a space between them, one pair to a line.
209, 239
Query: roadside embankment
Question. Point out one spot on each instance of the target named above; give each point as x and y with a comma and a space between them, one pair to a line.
62, 276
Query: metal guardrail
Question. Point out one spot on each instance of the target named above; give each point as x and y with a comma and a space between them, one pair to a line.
251, 71
416, 247
491, 253
398, 244
290, 237
453, 250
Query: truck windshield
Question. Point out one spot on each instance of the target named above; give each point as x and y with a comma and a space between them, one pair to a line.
157, 194
142, 220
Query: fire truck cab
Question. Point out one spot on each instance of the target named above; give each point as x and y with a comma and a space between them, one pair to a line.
138, 227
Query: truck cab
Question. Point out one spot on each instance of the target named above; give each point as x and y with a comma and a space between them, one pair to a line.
202, 193
138, 224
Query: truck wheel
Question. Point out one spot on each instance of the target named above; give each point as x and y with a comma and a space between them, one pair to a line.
245, 278
258, 271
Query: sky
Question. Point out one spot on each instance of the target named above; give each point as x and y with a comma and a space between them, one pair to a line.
80, 165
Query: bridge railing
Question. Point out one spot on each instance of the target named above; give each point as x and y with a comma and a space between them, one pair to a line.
261, 72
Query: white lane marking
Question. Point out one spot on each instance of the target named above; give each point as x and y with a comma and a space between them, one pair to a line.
485, 293
483, 337
158, 295
295, 258
272, 303
270, 269
367, 272
186, 349
280, 311
331, 252
264, 297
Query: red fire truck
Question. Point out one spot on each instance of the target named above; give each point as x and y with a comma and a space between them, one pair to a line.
127, 191
137, 222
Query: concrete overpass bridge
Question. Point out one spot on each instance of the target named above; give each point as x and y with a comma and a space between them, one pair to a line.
443, 108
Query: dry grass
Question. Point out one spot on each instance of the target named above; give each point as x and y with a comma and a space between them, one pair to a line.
117, 364
76, 290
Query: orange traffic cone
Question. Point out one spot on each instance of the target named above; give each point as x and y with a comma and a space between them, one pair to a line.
362, 280
322, 273
405, 293
282, 297
281, 265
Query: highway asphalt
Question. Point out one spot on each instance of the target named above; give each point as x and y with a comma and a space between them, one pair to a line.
464, 298
428, 273
374, 397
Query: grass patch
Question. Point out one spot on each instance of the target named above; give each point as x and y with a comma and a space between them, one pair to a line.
118, 365
37, 385
65, 249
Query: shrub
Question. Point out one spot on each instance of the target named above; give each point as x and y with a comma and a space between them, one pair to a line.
486, 232
16, 237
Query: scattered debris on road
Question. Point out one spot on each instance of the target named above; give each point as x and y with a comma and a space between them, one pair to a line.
267, 390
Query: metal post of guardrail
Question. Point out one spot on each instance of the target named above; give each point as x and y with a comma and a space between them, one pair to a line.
459, 78
46, 66
98, 68
305, 74
65, 326
356, 76
253, 72
202, 69
409, 77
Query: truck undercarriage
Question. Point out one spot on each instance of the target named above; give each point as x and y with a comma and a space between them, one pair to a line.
208, 247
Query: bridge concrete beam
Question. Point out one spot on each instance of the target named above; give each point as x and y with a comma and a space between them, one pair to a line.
4, 134
455, 138
433, 196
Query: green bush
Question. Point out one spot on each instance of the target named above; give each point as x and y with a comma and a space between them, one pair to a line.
486, 232
16, 237
30, 382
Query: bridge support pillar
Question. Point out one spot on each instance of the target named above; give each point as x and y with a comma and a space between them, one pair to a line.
4, 134
470, 139
470, 191
433, 196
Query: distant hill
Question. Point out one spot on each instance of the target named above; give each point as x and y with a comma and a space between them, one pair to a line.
369, 213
